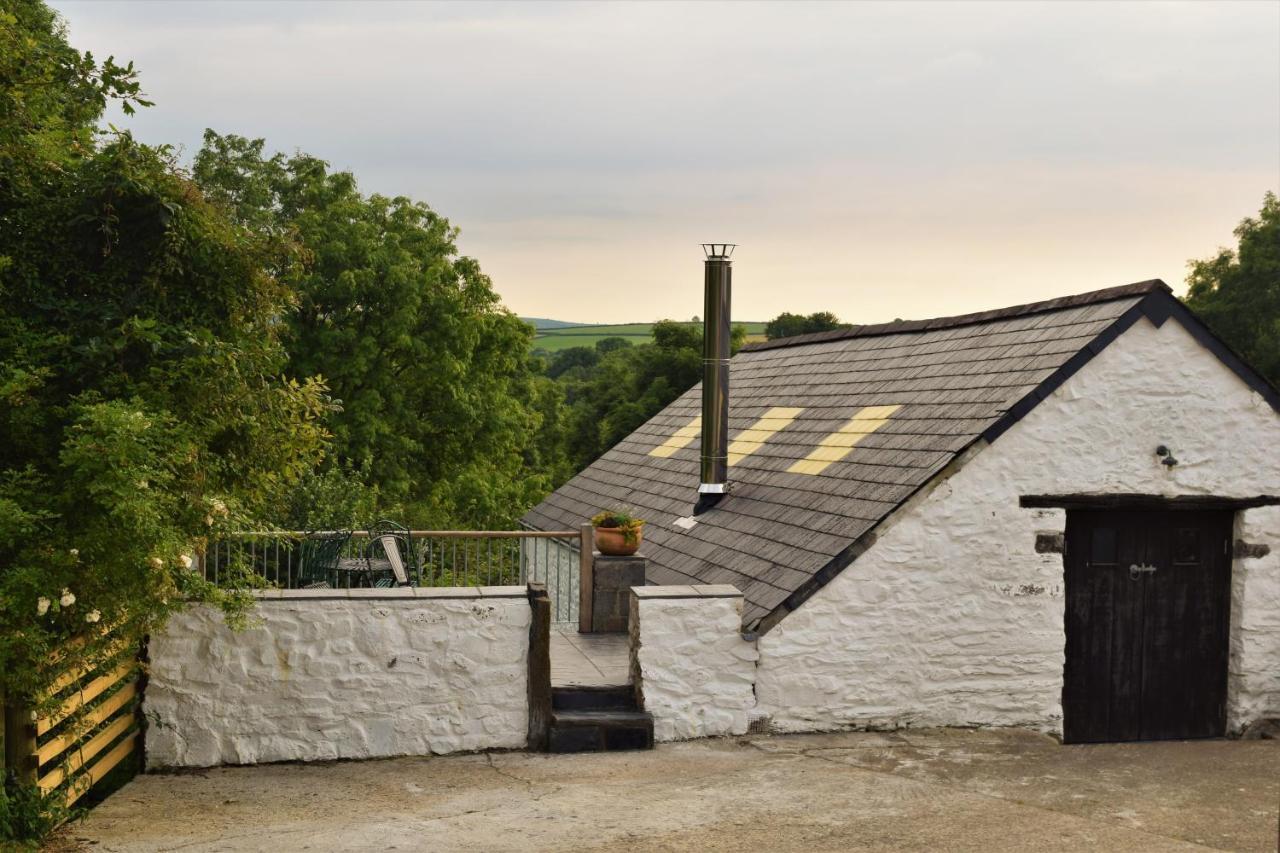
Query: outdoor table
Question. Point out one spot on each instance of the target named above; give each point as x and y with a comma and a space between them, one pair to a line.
353, 571
362, 571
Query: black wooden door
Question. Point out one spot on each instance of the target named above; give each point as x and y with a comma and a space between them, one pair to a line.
1148, 601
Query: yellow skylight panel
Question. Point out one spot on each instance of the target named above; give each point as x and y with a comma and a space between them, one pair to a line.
753, 437
680, 438
840, 443
876, 413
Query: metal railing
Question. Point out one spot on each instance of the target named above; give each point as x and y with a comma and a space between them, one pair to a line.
444, 558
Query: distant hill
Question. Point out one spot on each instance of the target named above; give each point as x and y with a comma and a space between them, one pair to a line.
565, 335
543, 323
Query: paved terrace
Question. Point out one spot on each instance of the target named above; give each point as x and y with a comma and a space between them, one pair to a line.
591, 660
954, 790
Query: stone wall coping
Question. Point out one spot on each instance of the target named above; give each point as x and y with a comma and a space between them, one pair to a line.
399, 593
617, 558
712, 590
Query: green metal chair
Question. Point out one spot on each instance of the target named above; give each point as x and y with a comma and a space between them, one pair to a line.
399, 564
318, 558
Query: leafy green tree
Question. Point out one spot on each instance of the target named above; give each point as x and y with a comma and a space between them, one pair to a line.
439, 401
606, 345
52, 95
1237, 292
332, 497
571, 358
142, 400
628, 385
786, 324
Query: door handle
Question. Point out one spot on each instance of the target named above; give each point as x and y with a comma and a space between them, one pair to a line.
1137, 570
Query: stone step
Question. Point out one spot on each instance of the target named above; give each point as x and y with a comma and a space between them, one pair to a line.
600, 731
574, 697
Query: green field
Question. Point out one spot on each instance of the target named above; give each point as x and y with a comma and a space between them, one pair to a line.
564, 337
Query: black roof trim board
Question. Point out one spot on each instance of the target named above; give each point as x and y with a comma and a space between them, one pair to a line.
1019, 409
1160, 310
896, 327
861, 545
1158, 306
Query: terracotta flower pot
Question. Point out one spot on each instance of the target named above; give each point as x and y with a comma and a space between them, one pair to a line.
612, 541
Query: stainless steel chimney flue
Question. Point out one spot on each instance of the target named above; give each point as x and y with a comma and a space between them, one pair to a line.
718, 288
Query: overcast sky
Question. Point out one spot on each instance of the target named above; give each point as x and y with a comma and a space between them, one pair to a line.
880, 161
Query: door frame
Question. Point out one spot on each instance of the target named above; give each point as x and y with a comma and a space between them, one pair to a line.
1140, 501
1136, 620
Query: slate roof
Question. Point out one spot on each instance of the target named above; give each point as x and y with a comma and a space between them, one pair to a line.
779, 536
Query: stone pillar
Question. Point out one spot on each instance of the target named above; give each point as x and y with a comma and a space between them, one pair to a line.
1253, 678
612, 579
690, 665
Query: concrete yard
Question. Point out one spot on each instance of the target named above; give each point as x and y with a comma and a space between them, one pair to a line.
917, 790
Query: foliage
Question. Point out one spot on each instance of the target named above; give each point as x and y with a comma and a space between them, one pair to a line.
141, 395
333, 497
1237, 292
51, 95
611, 390
27, 814
615, 518
609, 344
786, 324
619, 519
440, 404
576, 357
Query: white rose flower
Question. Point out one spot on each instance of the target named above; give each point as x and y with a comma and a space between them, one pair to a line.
142, 484
157, 563
75, 552
219, 508
42, 605
187, 562
68, 598
92, 616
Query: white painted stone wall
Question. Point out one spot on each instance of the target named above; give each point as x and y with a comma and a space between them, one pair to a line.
1253, 685
689, 662
325, 674
952, 618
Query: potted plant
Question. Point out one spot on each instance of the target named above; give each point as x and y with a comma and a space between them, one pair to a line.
617, 532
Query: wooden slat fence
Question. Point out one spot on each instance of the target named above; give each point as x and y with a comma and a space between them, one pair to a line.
92, 724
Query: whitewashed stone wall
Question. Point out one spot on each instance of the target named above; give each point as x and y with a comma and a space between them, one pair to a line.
952, 618
1253, 684
325, 674
689, 662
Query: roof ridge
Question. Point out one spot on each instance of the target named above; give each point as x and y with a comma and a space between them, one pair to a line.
899, 326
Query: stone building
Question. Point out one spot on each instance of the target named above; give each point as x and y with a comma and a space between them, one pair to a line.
1060, 515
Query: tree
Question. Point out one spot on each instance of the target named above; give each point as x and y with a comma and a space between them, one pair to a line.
570, 358
439, 401
1237, 293
627, 385
607, 345
786, 324
142, 401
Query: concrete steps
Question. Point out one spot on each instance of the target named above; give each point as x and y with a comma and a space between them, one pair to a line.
597, 719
